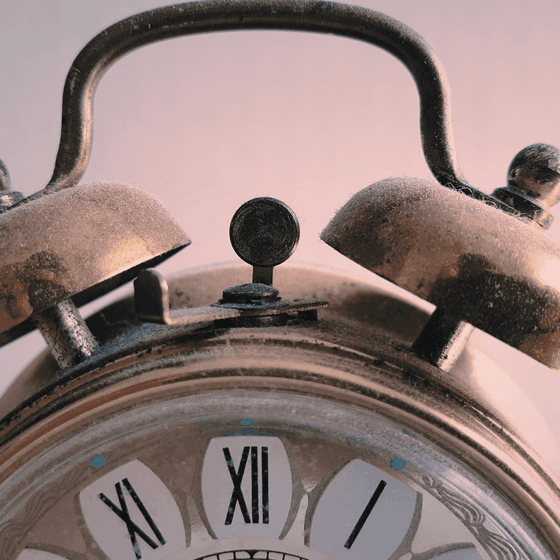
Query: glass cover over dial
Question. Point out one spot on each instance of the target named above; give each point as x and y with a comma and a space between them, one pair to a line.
276, 476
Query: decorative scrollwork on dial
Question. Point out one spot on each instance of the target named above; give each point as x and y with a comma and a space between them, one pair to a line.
494, 544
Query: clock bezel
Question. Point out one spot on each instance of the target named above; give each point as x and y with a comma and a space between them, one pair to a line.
321, 360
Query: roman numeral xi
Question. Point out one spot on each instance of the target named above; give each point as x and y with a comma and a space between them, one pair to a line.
237, 496
123, 513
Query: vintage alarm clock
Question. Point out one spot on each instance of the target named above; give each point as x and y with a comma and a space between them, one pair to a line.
277, 412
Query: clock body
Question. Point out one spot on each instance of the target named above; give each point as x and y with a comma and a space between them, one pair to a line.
300, 439
312, 417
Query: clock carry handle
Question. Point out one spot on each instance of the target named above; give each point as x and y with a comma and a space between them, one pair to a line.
221, 15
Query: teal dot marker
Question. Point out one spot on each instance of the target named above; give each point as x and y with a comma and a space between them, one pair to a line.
246, 422
98, 462
397, 463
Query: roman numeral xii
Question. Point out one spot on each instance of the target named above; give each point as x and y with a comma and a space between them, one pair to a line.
259, 499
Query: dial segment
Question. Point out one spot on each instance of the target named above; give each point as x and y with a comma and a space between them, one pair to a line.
463, 553
132, 515
199, 494
449, 530
32, 554
247, 486
364, 513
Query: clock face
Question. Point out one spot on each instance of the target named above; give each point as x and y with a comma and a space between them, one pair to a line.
254, 474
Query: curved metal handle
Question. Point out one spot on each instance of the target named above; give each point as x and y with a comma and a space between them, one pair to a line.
220, 15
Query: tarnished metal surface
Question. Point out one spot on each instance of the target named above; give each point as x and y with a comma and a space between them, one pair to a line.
442, 340
472, 261
8, 197
86, 239
264, 232
535, 172
317, 359
151, 301
5, 182
533, 182
352, 302
533, 187
357, 351
219, 15
66, 334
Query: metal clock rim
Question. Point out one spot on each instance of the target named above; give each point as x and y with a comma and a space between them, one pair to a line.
455, 426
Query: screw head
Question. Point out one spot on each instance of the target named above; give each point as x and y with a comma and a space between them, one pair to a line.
264, 232
250, 294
